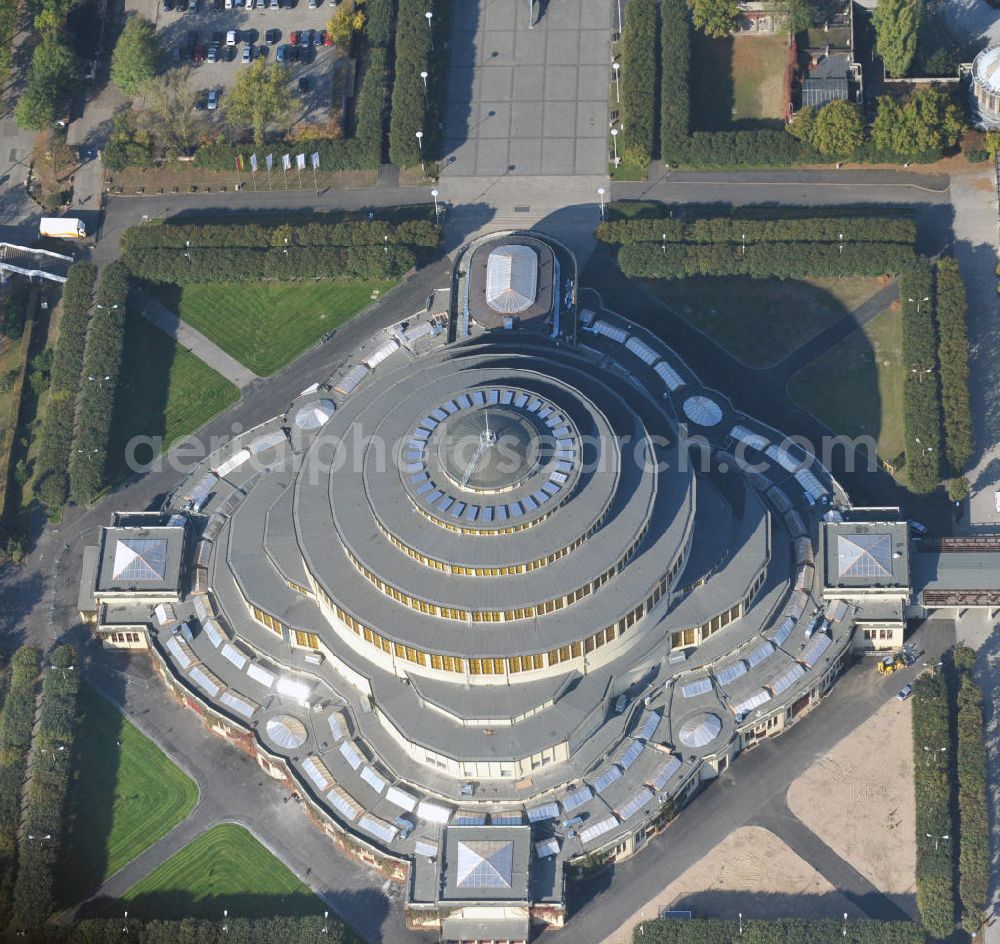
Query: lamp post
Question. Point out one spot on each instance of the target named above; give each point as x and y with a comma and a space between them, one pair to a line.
843, 930
614, 140
531, 14
937, 839
430, 16
921, 371
841, 242
125, 924
618, 89
740, 916
420, 145
326, 922
385, 244
434, 194
600, 194
423, 75
620, 26
225, 920
744, 240
919, 301
664, 244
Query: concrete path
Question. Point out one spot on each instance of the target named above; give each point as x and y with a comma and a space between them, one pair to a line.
208, 351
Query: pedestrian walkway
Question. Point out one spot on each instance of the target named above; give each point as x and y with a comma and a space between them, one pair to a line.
208, 351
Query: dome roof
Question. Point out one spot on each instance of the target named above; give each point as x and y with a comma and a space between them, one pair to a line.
702, 410
986, 68
491, 449
700, 730
511, 279
314, 415
286, 731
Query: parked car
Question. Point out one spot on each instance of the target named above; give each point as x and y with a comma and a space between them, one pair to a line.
199, 52
175, 54
306, 37
304, 84
318, 37
213, 53
229, 4
247, 54
218, 37
182, 6
231, 38
282, 52
327, 39
293, 53
168, 5
272, 36
213, 99
293, 37
192, 6
230, 53
273, 4
905, 692
313, 4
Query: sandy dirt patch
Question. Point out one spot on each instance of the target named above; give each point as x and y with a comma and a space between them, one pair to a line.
868, 776
751, 871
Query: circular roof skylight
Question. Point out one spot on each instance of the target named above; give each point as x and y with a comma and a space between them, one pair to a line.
314, 415
286, 731
702, 410
700, 730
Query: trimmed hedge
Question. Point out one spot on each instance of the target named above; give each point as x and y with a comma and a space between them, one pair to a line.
935, 884
257, 236
380, 22
763, 260
414, 108
748, 148
372, 103
15, 740
953, 356
299, 262
240, 931
675, 92
338, 154
638, 82
67, 364
921, 406
784, 931
95, 406
51, 772
725, 229
973, 814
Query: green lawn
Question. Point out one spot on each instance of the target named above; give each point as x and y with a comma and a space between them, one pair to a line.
164, 391
266, 325
126, 796
856, 388
762, 321
224, 867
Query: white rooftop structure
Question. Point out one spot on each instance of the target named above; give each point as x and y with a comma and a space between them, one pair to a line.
700, 730
864, 555
314, 415
286, 731
140, 559
485, 863
511, 278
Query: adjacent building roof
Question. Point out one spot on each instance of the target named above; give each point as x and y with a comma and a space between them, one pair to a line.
864, 555
817, 92
511, 278
485, 863
140, 559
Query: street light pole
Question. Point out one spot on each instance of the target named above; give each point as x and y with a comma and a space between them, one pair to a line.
423, 75
434, 194
919, 301
620, 25
430, 16
618, 88
531, 14
614, 139
600, 194
420, 144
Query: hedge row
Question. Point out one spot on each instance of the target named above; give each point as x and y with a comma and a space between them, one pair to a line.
638, 82
67, 364
380, 23
15, 740
726, 230
414, 106
973, 814
785, 931
95, 407
334, 154
953, 357
234, 265
51, 772
256, 236
675, 94
935, 885
370, 110
921, 406
763, 260
748, 148
198, 931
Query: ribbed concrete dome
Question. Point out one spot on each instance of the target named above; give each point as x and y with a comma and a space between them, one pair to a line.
986, 69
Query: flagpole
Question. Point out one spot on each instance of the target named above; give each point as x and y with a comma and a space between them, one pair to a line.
253, 176
297, 171
316, 185
284, 173
269, 187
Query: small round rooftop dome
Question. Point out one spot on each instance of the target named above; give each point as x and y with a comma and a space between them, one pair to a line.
986, 68
286, 731
314, 415
511, 278
700, 730
702, 410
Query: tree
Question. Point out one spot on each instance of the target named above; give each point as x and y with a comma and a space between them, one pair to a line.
838, 130
343, 24
260, 96
133, 63
715, 17
897, 27
926, 123
796, 16
171, 117
52, 67
803, 125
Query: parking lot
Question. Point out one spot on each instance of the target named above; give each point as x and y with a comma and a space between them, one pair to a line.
186, 36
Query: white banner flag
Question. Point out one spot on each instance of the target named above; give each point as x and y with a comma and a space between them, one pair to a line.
286, 162
253, 163
300, 161
269, 161
315, 160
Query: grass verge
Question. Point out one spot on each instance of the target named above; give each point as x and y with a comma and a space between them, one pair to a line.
266, 325
856, 388
127, 795
224, 867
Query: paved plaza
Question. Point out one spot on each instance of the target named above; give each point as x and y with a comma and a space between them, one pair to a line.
528, 101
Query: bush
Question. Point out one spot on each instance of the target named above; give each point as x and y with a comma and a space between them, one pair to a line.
953, 356
725, 229
763, 260
747, 148
784, 931
334, 155
64, 385
50, 781
15, 740
638, 82
675, 93
935, 886
15, 312
381, 23
973, 814
95, 406
371, 108
921, 413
